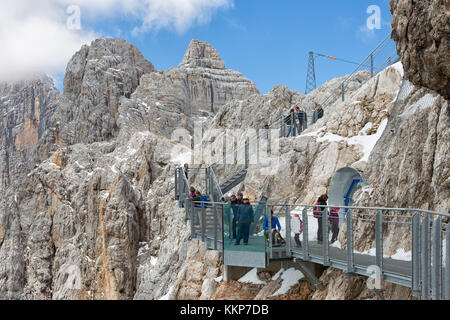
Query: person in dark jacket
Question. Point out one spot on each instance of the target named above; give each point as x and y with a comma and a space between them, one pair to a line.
186, 171
234, 208
290, 122
320, 112
240, 198
300, 120
321, 202
244, 219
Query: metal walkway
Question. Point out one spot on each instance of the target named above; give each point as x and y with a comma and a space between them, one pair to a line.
427, 235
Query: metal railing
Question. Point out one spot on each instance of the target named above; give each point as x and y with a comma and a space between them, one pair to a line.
425, 268
385, 52
380, 52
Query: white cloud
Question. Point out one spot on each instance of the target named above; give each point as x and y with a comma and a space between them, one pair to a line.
35, 37
177, 14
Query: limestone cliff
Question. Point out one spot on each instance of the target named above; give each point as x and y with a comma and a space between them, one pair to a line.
89, 216
26, 109
422, 32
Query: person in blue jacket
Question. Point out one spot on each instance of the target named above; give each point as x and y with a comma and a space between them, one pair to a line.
274, 225
245, 217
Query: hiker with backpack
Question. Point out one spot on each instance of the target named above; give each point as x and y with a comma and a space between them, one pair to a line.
245, 217
333, 217
274, 225
318, 214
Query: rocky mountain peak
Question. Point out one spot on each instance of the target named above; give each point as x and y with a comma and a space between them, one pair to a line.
105, 59
202, 54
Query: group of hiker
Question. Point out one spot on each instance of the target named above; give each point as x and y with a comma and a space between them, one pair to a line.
297, 120
243, 217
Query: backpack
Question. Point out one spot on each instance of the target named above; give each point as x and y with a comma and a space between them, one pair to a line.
316, 211
204, 199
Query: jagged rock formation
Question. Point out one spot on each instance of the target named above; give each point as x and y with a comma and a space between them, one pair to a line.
80, 225
83, 214
358, 133
96, 79
96, 219
179, 96
422, 32
26, 108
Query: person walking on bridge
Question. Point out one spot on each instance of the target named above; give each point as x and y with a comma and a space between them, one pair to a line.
244, 219
319, 215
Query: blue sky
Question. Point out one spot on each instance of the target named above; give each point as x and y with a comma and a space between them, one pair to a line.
267, 41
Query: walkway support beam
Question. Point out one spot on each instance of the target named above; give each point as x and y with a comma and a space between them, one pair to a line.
436, 251
416, 285
325, 237
379, 239
447, 263
305, 235
288, 232
425, 257
350, 253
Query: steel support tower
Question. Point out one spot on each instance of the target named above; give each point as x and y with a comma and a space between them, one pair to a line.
311, 75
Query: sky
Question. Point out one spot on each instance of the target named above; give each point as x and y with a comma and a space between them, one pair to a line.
267, 41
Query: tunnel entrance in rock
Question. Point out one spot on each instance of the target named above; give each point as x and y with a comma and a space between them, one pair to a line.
343, 187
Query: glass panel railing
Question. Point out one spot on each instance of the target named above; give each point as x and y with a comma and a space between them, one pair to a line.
244, 240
